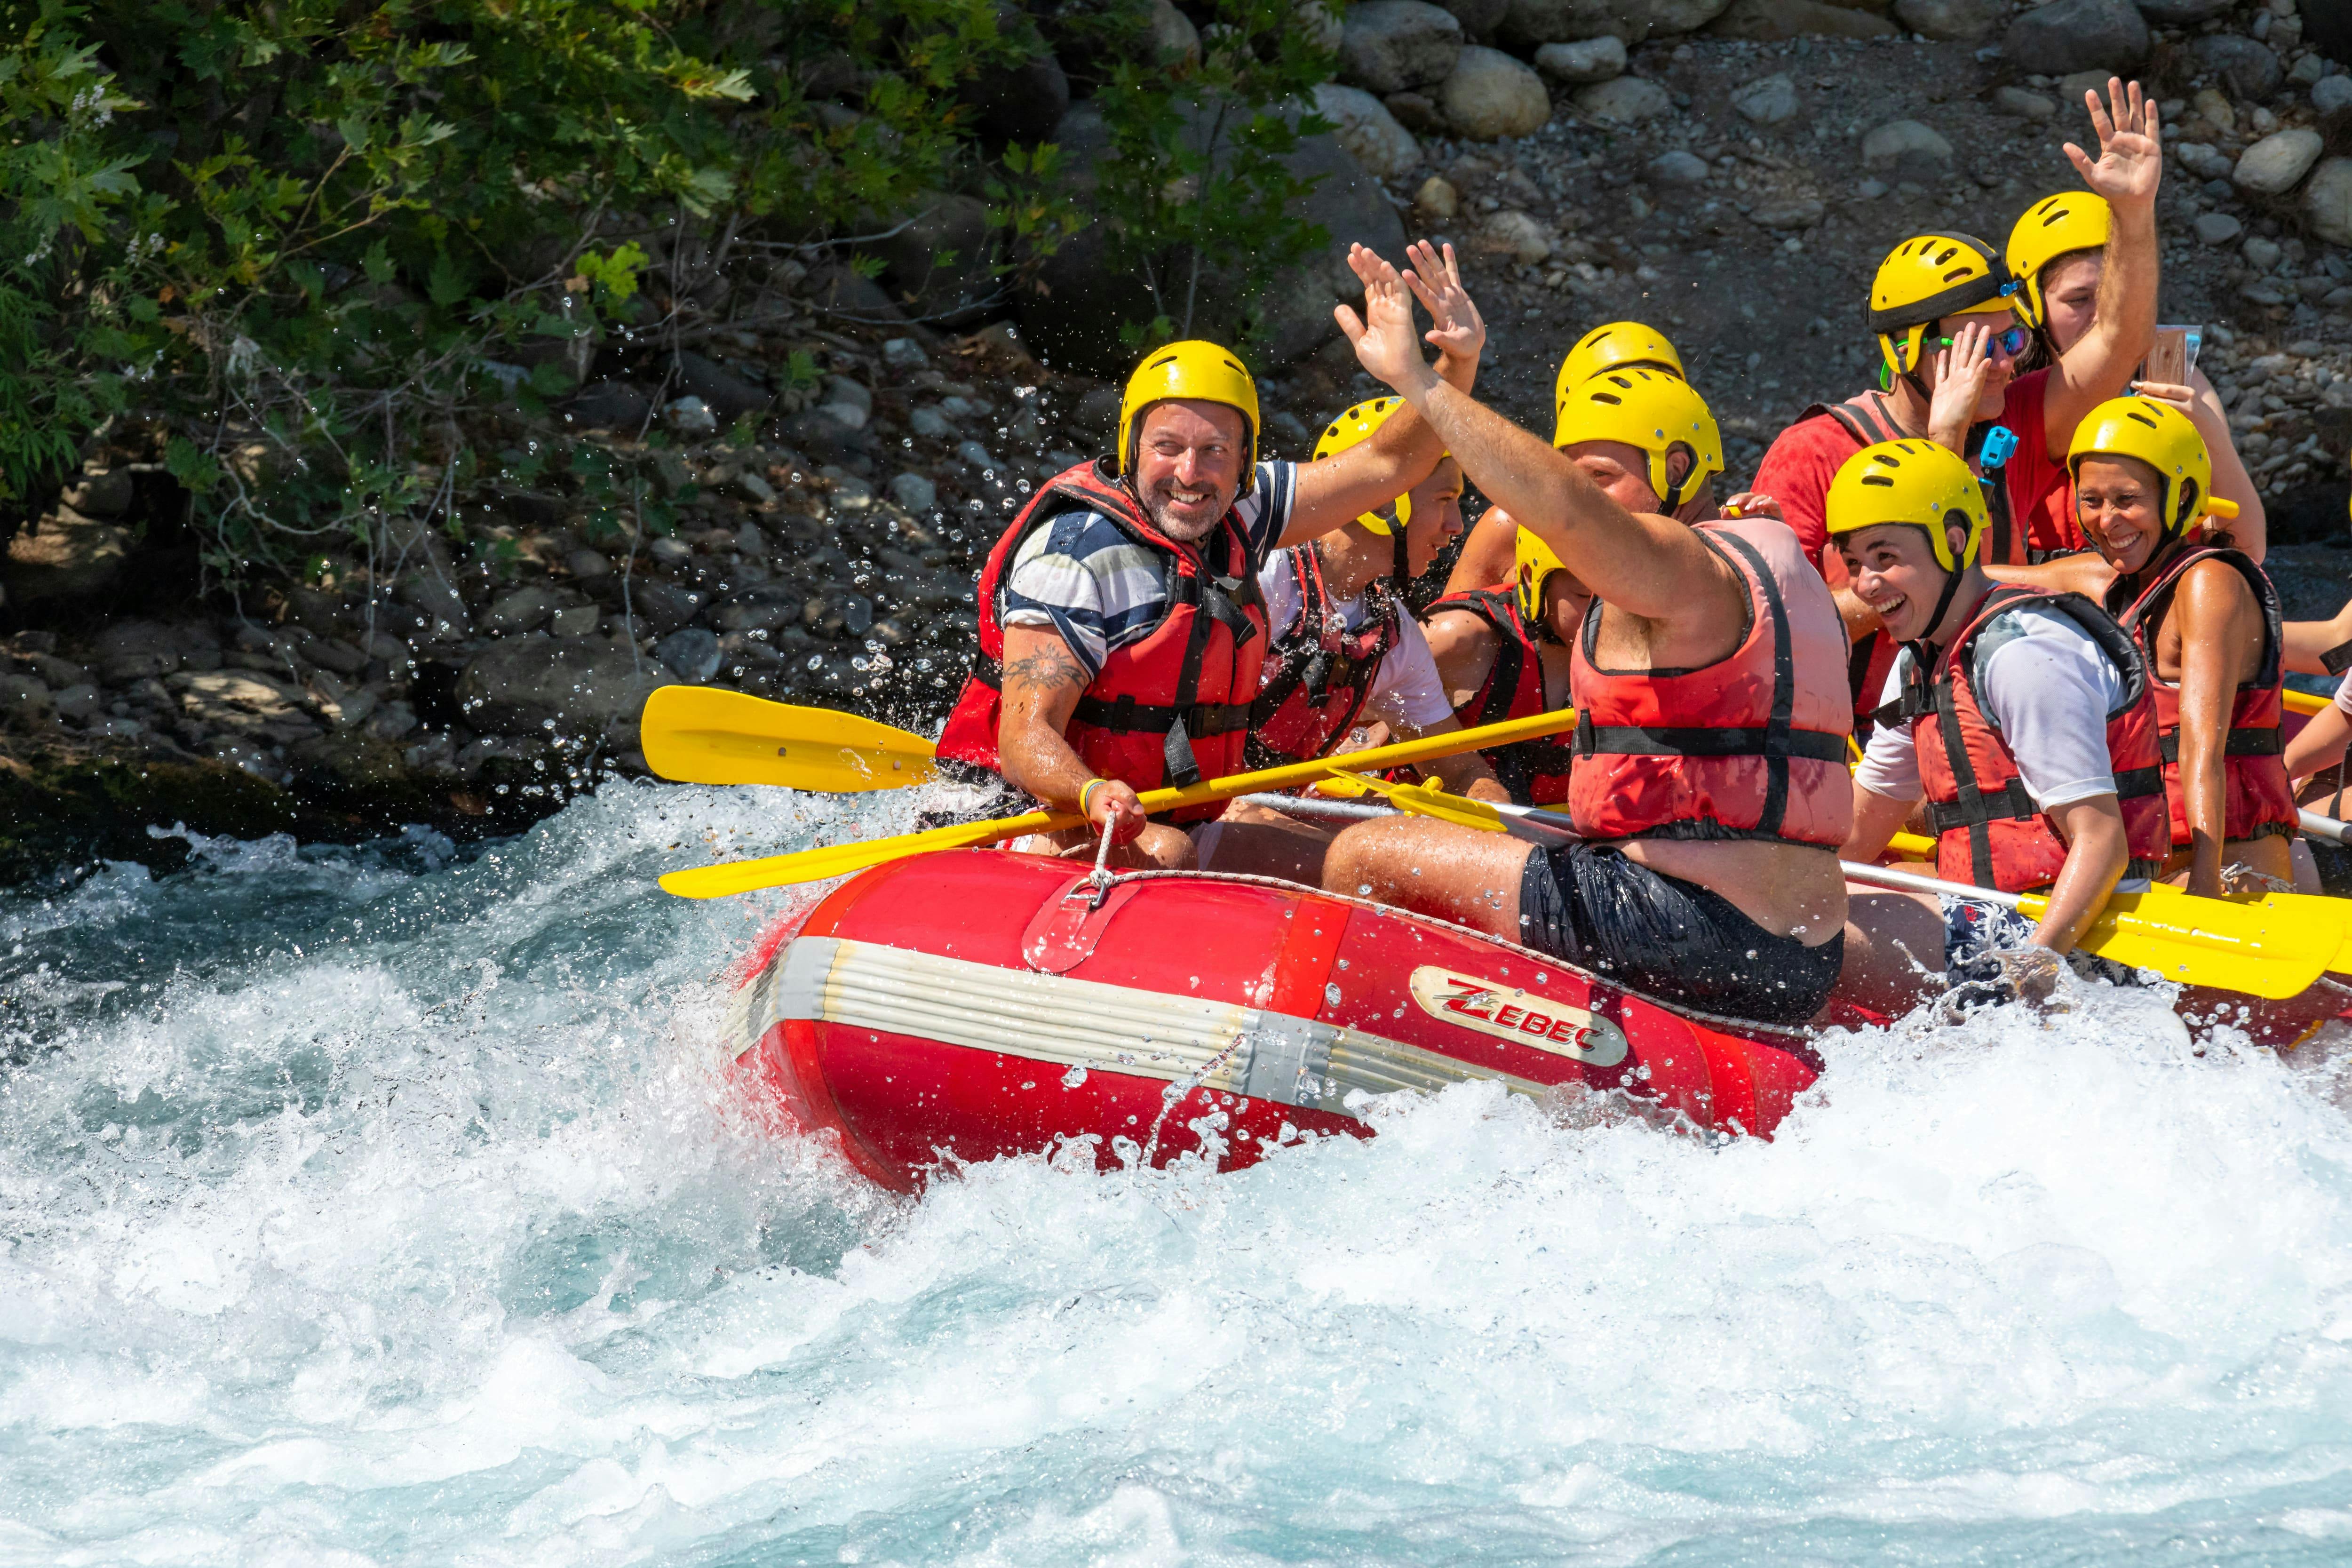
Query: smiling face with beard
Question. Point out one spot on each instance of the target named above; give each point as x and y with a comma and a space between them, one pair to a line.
1189, 460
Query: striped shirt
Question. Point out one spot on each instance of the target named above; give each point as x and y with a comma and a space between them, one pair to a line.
1100, 590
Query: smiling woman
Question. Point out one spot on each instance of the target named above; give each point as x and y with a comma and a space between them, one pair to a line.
2207, 622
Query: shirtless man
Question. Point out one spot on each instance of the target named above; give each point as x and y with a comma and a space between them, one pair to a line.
1709, 780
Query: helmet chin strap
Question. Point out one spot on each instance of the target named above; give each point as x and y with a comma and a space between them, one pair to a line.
1951, 586
1400, 568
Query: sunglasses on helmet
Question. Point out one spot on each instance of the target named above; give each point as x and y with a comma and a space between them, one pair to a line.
2010, 341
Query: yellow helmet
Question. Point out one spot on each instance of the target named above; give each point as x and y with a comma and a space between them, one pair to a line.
1536, 563
2055, 226
1928, 278
1190, 369
1620, 346
1914, 482
1355, 425
1654, 411
2165, 439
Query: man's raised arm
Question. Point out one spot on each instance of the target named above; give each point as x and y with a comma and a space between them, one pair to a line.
1645, 565
1403, 451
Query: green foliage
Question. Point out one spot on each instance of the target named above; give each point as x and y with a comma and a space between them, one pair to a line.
1197, 187
332, 260
313, 240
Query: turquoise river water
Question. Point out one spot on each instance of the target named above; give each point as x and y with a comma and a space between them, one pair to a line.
382, 1206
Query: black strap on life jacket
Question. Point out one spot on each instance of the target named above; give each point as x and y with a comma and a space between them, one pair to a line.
1317, 665
1864, 418
1221, 600
1518, 764
2266, 742
1777, 743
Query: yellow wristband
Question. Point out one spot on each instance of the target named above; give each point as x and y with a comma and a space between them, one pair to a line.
1084, 791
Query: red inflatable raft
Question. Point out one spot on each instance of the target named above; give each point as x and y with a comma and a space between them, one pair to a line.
979, 1002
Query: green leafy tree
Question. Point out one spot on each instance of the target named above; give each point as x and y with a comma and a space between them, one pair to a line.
1198, 187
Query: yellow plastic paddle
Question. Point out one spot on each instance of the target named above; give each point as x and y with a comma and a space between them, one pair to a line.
2250, 948
700, 734
837, 860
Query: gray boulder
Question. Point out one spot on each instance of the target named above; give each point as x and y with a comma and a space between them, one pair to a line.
2241, 67
691, 654
590, 686
2067, 36
1490, 96
106, 495
2277, 164
519, 610
2327, 202
1367, 129
1393, 45
1776, 21
1907, 145
1962, 21
1090, 291
71, 557
1020, 102
943, 265
1587, 60
1479, 18
2217, 228
2175, 12
1676, 168
1628, 100
1530, 24
2332, 93
1767, 100
727, 395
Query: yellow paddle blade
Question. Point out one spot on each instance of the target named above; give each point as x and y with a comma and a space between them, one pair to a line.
699, 734
2250, 948
837, 860
2275, 947
2296, 907
1430, 799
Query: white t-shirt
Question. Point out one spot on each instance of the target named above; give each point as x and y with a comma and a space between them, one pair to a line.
1406, 686
2047, 687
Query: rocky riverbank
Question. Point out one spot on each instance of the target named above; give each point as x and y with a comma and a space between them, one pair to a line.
832, 471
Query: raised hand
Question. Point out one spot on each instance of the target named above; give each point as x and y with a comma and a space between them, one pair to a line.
1383, 337
1961, 374
2131, 146
1460, 333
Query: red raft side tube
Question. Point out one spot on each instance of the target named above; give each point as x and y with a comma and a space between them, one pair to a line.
979, 1002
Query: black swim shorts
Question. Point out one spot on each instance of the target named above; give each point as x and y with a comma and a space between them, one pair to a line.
1669, 939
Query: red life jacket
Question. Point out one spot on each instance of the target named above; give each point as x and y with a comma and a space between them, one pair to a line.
2258, 799
1865, 419
1751, 746
1170, 709
1988, 830
1535, 771
1318, 674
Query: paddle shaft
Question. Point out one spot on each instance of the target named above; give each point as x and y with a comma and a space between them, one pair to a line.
837, 860
1912, 882
2325, 827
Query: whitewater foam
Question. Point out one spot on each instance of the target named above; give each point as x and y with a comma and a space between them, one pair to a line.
383, 1206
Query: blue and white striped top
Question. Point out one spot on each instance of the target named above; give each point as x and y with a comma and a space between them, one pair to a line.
1100, 590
